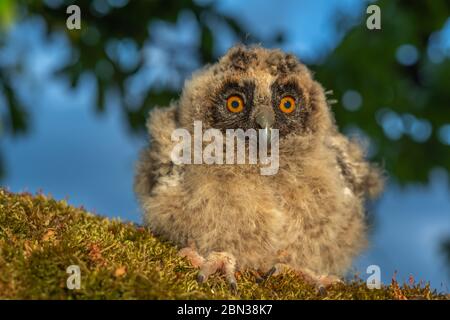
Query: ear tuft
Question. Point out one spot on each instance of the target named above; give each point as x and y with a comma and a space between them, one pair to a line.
240, 57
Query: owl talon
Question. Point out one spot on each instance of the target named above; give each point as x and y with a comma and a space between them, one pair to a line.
322, 290
233, 285
259, 278
271, 272
201, 278
221, 262
277, 269
322, 283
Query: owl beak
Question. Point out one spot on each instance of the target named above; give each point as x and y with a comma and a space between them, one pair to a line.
265, 120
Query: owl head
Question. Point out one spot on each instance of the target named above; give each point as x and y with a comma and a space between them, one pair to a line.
253, 87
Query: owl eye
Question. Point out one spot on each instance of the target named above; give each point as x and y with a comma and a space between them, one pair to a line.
235, 103
287, 104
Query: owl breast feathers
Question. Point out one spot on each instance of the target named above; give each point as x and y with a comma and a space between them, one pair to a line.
309, 216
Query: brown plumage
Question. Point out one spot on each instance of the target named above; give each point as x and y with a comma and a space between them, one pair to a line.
308, 217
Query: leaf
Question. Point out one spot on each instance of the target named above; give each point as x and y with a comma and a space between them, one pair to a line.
95, 254
49, 235
121, 271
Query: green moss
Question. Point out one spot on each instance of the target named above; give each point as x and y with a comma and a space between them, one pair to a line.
40, 237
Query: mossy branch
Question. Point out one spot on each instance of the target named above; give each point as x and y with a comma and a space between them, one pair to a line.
40, 237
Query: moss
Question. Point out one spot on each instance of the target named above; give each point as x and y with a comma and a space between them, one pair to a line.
40, 237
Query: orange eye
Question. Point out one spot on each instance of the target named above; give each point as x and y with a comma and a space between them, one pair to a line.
235, 104
287, 104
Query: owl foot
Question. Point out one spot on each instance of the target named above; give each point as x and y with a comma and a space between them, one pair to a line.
192, 255
323, 282
222, 262
320, 282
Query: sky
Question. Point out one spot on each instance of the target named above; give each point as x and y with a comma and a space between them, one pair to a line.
88, 158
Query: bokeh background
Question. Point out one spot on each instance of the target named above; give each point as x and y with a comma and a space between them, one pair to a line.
73, 102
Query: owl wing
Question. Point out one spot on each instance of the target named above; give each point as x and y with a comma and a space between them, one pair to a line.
360, 176
155, 161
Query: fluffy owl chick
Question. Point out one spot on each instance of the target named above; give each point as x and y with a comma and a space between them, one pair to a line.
308, 217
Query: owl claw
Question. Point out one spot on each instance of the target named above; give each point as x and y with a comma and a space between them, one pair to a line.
233, 285
201, 278
259, 278
322, 290
222, 262
219, 262
271, 272
276, 270
322, 283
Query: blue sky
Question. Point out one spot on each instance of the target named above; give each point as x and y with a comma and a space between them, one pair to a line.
307, 25
72, 152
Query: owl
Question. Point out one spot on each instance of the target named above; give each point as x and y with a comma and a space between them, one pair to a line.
308, 217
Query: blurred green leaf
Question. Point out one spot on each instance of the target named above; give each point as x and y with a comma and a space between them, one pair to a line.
7, 13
